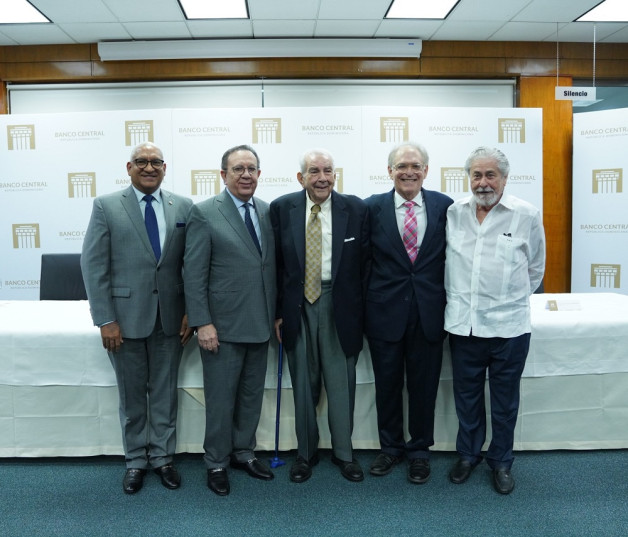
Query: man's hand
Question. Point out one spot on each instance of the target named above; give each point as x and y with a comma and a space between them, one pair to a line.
111, 336
278, 325
185, 332
208, 338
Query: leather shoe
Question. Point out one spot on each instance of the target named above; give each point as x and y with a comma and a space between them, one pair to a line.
218, 481
461, 471
503, 481
254, 468
170, 478
301, 469
383, 464
349, 469
133, 480
419, 471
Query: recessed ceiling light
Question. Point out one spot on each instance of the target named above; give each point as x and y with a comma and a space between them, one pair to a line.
20, 12
607, 11
214, 9
426, 9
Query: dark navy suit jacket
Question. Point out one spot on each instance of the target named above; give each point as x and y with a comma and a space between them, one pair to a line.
349, 265
393, 278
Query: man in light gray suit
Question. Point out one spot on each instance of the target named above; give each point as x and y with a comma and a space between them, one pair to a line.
132, 265
230, 292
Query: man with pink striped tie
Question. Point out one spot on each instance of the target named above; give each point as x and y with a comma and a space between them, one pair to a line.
405, 304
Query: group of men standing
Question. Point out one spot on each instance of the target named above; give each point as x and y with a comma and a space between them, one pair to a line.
320, 269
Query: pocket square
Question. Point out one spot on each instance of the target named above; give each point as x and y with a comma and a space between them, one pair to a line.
180, 224
350, 239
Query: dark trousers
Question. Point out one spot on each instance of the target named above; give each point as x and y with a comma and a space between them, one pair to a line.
504, 359
419, 360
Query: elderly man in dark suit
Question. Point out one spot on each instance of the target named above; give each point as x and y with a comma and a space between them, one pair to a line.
405, 306
230, 290
132, 264
322, 260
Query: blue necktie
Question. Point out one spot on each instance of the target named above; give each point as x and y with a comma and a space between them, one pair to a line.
151, 226
251, 227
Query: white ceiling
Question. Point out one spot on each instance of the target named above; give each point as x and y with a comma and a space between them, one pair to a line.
90, 21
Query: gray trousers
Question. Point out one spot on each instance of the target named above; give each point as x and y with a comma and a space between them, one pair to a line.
316, 358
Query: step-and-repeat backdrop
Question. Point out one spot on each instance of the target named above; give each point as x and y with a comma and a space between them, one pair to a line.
53, 165
600, 202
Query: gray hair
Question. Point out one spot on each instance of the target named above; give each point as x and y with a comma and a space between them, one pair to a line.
418, 147
139, 147
311, 153
491, 153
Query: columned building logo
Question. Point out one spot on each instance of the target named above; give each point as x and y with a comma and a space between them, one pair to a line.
26, 236
21, 137
82, 185
453, 180
138, 131
606, 276
339, 176
267, 130
205, 182
394, 129
608, 181
511, 130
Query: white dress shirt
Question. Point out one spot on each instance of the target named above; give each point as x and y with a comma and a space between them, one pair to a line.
492, 268
325, 217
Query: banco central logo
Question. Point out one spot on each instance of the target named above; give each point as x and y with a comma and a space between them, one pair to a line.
339, 176
138, 131
394, 129
21, 137
26, 236
453, 180
82, 185
606, 276
511, 130
608, 181
205, 182
266, 130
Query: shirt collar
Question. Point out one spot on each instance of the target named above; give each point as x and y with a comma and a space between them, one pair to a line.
140, 195
400, 200
325, 206
238, 202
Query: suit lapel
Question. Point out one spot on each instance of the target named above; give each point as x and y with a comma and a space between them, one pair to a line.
431, 221
388, 221
132, 207
339, 219
297, 223
228, 209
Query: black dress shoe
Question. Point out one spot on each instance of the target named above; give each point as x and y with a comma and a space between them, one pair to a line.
419, 471
383, 464
461, 471
503, 481
301, 469
170, 478
133, 480
349, 469
255, 468
218, 481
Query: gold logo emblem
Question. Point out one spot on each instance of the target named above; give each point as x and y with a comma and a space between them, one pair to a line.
606, 276
267, 130
205, 182
82, 185
21, 137
26, 236
394, 129
138, 131
511, 130
608, 181
453, 180
339, 172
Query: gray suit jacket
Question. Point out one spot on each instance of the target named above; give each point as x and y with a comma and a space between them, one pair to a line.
227, 282
123, 280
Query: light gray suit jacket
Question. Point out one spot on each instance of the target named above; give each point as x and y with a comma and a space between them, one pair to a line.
124, 281
227, 282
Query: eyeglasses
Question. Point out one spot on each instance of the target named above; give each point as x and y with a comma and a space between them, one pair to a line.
141, 163
405, 168
239, 170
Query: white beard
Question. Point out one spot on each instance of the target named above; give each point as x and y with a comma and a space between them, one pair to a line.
487, 198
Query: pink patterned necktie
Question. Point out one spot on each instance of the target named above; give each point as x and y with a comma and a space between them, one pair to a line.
410, 231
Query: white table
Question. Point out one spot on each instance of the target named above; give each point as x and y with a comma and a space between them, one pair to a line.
58, 395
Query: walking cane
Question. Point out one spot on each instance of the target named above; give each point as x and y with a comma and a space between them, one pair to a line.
276, 461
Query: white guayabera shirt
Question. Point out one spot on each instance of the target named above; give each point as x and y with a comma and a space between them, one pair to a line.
492, 268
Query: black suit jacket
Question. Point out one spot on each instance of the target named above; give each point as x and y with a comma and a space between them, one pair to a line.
349, 265
393, 278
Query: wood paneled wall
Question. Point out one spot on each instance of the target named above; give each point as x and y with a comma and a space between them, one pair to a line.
533, 65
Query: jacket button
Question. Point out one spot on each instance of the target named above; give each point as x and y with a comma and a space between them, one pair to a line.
155, 291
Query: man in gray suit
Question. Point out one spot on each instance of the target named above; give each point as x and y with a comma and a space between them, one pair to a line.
132, 264
230, 291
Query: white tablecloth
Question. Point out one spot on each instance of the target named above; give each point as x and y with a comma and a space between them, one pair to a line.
58, 393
